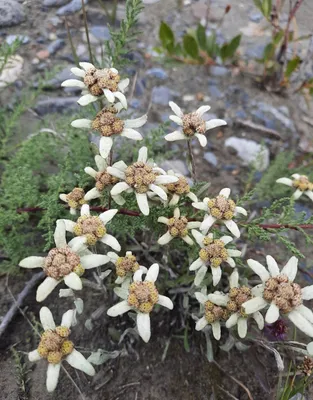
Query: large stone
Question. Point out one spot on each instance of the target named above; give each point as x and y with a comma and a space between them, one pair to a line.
178, 166
161, 95
11, 71
54, 3
71, 8
56, 105
11, 13
250, 152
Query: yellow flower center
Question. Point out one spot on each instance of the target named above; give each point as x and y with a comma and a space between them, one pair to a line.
143, 296
178, 226
61, 262
193, 124
98, 79
302, 183
214, 252
214, 313
107, 123
125, 265
90, 226
180, 187
238, 296
139, 176
54, 344
221, 208
75, 198
104, 179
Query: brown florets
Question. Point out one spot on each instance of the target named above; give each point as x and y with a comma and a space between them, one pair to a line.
193, 124
90, 226
285, 294
302, 183
75, 198
238, 296
104, 179
60, 262
54, 344
98, 79
125, 265
107, 123
143, 296
180, 187
214, 313
307, 366
214, 252
222, 208
139, 176
178, 226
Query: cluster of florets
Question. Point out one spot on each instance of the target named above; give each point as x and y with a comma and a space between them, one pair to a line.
306, 367
214, 251
238, 296
178, 226
98, 79
61, 262
285, 294
54, 344
143, 296
192, 124
302, 183
104, 179
91, 227
107, 123
221, 207
75, 198
179, 187
214, 313
139, 176
125, 265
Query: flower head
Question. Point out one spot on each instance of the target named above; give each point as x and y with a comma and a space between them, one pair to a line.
63, 263
192, 124
125, 266
283, 296
89, 229
109, 125
98, 82
141, 177
178, 189
75, 199
103, 180
220, 208
178, 227
212, 254
301, 183
55, 347
141, 296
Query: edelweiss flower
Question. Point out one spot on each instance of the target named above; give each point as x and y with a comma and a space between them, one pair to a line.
75, 199
192, 124
233, 301
220, 208
125, 266
213, 315
63, 264
178, 189
141, 177
301, 183
177, 228
103, 179
90, 228
55, 347
109, 125
283, 295
98, 82
141, 296
213, 252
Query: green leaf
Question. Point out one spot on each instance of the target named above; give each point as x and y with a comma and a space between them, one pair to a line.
166, 35
267, 8
228, 49
201, 37
258, 4
278, 37
212, 47
291, 66
191, 46
269, 52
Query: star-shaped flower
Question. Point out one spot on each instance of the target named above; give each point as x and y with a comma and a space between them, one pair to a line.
55, 347
141, 296
212, 254
141, 177
220, 208
98, 82
179, 189
192, 124
75, 199
281, 294
109, 125
63, 263
178, 227
301, 183
125, 266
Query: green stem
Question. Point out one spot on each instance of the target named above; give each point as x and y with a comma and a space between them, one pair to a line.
87, 32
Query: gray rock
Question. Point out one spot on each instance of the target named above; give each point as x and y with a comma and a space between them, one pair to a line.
161, 95
11, 38
157, 73
100, 32
215, 92
250, 152
54, 3
71, 8
56, 105
211, 158
217, 70
255, 16
176, 165
55, 46
55, 82
255, 50
279, 116
11, 13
